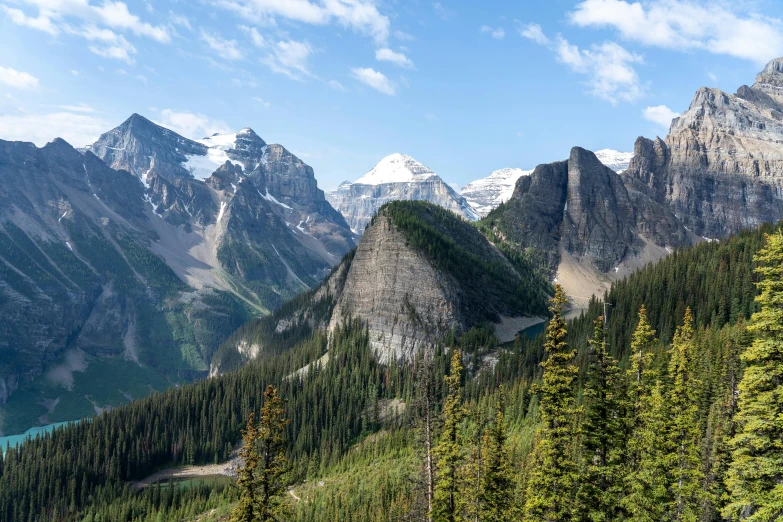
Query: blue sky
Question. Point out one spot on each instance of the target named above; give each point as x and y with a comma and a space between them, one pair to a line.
464, 87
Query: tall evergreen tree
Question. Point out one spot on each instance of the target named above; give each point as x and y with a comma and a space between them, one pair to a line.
684, 460
647, 495
552, 478
449, 449
247, 480
755, 477
497, 480
272, 464
601, 433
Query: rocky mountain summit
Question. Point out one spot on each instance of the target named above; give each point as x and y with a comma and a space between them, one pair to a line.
487, 193
395, 177
138, 256
418, 273
721, 166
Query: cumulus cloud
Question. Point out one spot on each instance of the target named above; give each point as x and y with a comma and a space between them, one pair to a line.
106, 43
17, 79
290, 58
40, 22
498, 33
686, 25
227, 49
387, 55
376, 80
191, 125
76, 128
661, 115
361, 16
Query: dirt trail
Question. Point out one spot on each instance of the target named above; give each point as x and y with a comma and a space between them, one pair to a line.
227, 468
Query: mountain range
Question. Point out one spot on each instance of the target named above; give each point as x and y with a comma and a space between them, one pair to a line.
135, 258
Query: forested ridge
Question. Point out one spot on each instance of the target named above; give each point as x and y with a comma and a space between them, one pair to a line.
647, 409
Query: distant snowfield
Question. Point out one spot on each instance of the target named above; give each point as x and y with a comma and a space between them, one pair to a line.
202, 167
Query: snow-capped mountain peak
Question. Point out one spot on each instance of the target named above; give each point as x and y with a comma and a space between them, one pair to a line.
396, 168
244, 144
615, 160
487, 193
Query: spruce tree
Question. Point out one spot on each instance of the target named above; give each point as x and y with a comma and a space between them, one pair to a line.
683, 459
272, 464
446, 502
247, 480
552, 478
755, 477
497, 481
601, 434
647, 495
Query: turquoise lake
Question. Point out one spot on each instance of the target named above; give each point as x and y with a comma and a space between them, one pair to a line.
13, 440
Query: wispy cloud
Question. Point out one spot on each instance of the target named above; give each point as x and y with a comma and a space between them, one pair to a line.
374, 79
608, 67
190, 124
75, 127
497, 33
256, 37
17, 79
227, 49
387, 55
290, 58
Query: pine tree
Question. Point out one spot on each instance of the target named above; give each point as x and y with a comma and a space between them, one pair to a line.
272, 464
449, 449
683, 460
755, 477
497, 480
601, 434
247, 480
552, 478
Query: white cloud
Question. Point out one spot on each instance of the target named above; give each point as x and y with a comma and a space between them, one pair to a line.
107, 43
290, 58
75, 128
387, 55
334, 84
660, 114
442, 11
255, 36
117, 16
82, 107
92, 22
74, 72
180, 20
41, 22
360, 15
713, 77
260, 101
374, 79
227, 49
191, 125
17, 79
532, 32
497, 34
686, 25
405, 37
608, 66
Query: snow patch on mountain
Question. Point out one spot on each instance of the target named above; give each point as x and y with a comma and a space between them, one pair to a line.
396, 168
487, 193
202, 167
615, 160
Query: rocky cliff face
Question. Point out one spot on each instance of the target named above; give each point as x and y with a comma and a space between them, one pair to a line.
395, 178
407, 293
720, 168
